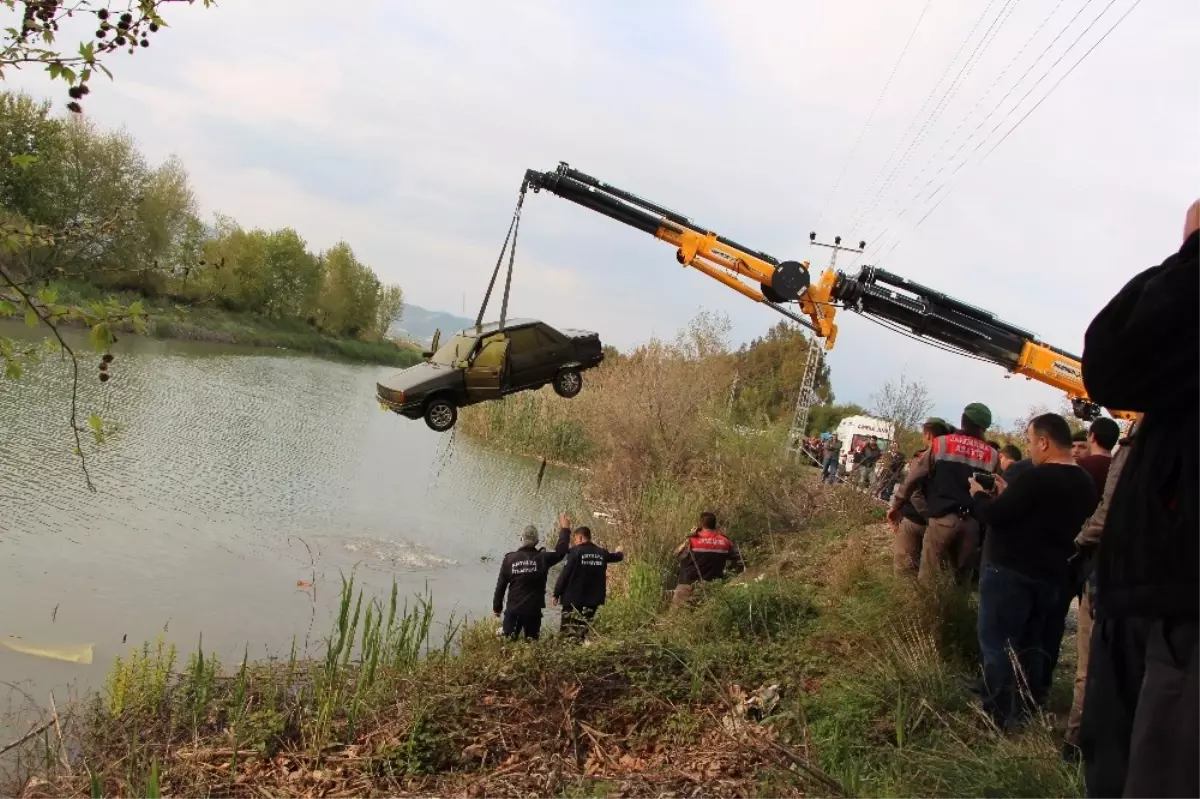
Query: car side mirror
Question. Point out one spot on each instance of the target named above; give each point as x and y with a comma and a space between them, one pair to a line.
437, 337
427, 354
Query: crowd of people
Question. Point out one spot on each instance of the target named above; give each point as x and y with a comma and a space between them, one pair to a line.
866, 465
1094, 515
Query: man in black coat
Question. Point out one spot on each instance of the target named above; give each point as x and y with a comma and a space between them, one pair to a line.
583, 583
1141, 727
523, 576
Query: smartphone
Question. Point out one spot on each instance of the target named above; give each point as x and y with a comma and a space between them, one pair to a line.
986, 479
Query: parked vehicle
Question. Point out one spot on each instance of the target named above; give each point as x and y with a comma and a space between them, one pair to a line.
487, 363
854, 432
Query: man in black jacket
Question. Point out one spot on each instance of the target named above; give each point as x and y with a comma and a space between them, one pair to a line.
1140, 730
583, 582
523, 576
1031, 536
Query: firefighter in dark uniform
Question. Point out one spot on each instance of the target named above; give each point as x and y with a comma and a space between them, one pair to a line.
952, 535
704, 556
582, 584
523, 576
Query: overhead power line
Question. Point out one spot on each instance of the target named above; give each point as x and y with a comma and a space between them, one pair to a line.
1036, 105
981, 47
904, 137
871, 116
879, 239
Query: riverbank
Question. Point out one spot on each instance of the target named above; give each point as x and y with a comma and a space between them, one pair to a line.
214, 324
816, 673
231, 327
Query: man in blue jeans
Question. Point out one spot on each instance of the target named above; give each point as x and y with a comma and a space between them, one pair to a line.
829, 468
1031, 538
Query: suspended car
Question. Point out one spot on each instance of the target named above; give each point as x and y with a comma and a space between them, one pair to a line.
489, 362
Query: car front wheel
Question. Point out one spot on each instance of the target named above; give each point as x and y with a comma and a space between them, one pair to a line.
441, 414
568, 383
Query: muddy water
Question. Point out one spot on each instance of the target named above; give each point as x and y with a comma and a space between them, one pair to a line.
230, 477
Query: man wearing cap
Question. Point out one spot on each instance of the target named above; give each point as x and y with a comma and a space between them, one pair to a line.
523, 576
952, 535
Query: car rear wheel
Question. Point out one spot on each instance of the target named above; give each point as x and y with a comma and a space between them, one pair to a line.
441, 414
568, 383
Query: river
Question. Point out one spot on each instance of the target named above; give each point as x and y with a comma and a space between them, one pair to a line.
231, 476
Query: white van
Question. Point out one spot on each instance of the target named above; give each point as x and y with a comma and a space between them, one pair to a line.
856, 430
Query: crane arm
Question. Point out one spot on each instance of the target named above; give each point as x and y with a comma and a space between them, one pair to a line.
771, 282
886, 297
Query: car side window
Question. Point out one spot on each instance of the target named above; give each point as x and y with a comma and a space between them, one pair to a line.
491, 354
545, 339
524, 340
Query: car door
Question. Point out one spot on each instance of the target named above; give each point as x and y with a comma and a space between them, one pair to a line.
525, 358
485, 372
553, 350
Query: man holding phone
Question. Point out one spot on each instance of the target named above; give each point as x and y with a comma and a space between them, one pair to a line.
1031, 537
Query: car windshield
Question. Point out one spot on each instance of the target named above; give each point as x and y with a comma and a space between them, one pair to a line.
455, 350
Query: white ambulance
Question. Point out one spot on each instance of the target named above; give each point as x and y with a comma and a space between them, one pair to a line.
854, 431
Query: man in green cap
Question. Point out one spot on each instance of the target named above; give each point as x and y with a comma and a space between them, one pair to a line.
952, 534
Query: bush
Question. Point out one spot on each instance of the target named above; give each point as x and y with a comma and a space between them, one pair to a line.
757, 609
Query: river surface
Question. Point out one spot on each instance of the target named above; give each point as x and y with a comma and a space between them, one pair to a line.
231, 476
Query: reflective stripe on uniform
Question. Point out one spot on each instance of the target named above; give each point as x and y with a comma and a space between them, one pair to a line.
959, 448
709, 542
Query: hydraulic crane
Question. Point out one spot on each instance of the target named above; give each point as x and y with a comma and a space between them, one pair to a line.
886, 297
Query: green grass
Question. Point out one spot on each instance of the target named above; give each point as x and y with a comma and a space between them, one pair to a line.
869, 670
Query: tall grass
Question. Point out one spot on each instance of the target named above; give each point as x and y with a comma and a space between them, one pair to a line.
652, 429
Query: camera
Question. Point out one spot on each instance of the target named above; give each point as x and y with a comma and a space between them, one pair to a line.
986, 480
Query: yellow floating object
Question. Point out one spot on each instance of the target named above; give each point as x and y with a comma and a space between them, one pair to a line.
81, 653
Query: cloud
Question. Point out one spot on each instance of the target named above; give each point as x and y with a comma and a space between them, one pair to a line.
406, 128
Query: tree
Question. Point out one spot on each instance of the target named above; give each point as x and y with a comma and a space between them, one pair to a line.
349, 302
391, 309
905, 403
770, 370
31, 41
826, 418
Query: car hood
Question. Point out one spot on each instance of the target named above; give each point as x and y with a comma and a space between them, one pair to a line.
423, 376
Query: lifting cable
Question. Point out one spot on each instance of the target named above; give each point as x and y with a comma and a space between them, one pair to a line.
513, 228
1025, 116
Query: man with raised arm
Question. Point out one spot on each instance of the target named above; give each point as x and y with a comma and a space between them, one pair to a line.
523, 577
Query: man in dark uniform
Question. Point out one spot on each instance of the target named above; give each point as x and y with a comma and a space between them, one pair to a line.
952, 535
583, 583
523, 576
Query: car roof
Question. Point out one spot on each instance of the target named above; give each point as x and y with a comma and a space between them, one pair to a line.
492, 327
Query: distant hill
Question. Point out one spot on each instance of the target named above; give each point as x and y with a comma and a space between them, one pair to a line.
417, 324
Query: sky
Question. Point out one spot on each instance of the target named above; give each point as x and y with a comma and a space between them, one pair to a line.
405, 128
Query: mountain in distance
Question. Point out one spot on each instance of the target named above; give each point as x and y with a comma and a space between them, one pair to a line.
417, 324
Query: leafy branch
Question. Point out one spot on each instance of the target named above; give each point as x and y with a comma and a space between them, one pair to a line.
44, 308
125, 26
